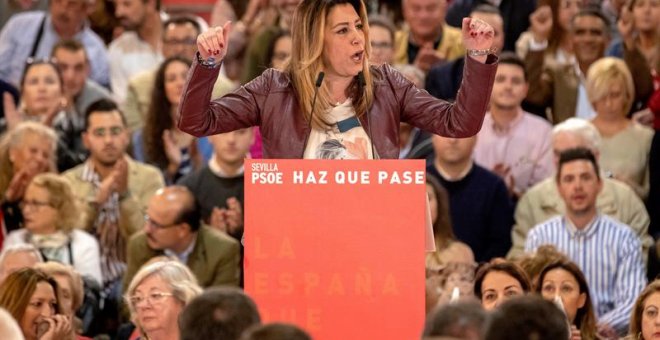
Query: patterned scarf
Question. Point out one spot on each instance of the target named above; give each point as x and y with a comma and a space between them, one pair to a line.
106, 230
54, 247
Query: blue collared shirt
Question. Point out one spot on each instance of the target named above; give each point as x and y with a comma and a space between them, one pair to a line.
183, 256
19, 34
610, 256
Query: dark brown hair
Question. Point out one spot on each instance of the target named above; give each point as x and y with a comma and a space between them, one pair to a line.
507, 267
585, 319
158, 117
638, 308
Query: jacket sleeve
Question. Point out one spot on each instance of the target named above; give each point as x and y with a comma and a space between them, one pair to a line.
87, 256
524, 222
199, 116
460, 119
227, 271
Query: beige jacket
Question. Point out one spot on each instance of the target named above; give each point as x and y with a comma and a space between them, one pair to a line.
143, 181
542, 202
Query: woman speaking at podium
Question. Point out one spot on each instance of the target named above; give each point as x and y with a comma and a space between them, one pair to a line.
329, 102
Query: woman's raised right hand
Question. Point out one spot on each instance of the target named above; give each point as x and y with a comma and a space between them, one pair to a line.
214, 42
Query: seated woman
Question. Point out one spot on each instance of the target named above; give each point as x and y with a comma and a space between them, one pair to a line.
625, 148
563, 279
157, 295
70, 292
51, 216
498, 281
31, 297
645, 314
43, 100
25, 151
160, 142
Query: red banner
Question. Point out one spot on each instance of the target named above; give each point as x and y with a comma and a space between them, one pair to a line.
337, 247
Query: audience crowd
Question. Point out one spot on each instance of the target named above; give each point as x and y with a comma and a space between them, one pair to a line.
115, 224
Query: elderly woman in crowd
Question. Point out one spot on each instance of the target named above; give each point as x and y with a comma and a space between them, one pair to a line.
625, 148
70, 291
31, 297
17, 257
157, 295
498, 281
50, 217
645, 319
160, 142
564, 280
25, 151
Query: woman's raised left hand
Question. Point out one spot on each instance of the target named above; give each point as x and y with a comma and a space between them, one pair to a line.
477, 34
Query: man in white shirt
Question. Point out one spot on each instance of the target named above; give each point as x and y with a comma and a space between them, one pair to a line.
139, 47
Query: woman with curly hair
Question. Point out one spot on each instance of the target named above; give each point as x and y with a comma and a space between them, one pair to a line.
160, 142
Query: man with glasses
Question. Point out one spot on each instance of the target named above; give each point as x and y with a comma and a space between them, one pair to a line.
33, 34
179, 40
173, 227
113, 188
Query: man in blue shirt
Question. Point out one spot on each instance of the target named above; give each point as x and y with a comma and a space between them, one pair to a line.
33, 34
607, 251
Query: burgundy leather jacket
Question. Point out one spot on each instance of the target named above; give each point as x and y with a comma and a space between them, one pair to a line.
269, 101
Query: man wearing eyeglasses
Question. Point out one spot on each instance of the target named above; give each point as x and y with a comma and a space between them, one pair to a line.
179, 39
172, 227
114, 189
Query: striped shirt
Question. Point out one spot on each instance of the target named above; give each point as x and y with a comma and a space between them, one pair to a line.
609, 254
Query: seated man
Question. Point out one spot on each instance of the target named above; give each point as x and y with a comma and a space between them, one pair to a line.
542, 201
608, 251
172, 227
112, 188
479, 204
426, 39
218, 186
513, 143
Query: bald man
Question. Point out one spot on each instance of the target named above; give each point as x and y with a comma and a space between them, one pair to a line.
173, 228
8, 327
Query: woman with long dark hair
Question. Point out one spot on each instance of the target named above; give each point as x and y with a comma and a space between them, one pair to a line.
160, 142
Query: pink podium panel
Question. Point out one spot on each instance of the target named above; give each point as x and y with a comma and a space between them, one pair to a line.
337, 247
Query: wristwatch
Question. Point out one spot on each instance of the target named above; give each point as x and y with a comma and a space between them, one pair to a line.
208, 63
478, 53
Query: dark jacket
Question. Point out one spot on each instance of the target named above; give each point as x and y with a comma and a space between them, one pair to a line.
270, 102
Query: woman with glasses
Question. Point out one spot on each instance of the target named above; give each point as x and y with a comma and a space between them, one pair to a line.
25, 151
50, 215
156, 296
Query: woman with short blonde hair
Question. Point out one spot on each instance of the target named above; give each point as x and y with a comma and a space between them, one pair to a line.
626, 145
51, 217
